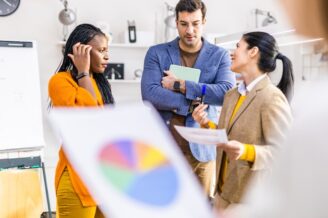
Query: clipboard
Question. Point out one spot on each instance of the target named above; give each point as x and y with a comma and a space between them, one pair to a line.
185, 73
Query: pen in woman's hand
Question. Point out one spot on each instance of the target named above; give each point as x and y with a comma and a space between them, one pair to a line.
203, 94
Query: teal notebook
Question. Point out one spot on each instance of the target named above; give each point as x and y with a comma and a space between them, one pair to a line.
185, 73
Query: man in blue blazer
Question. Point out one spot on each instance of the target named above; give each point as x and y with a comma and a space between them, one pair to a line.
173, 97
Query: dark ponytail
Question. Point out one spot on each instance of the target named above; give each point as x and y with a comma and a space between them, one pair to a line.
286, 84
268, 56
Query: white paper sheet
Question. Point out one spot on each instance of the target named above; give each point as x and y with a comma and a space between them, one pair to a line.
203, 136
21, 124
130, 162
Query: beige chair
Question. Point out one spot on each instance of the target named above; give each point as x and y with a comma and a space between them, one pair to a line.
20, 193
20, 187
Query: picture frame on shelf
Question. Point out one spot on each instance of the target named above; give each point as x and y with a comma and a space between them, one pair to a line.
114, 71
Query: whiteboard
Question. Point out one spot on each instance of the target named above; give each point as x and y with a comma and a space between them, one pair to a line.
20, 108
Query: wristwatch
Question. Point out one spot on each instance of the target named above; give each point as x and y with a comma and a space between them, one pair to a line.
176, 86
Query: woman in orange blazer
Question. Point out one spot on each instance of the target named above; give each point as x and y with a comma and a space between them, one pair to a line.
255, 115
79, 82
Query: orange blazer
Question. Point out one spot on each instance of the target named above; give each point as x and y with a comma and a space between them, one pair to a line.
65, 92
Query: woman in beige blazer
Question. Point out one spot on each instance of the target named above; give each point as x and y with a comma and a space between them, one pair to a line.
256, 115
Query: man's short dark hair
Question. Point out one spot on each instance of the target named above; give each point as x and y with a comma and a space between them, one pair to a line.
190, 6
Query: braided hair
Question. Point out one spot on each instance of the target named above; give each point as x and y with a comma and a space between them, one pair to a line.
84, 33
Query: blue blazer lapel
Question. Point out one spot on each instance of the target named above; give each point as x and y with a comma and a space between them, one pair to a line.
174, 51
204, 54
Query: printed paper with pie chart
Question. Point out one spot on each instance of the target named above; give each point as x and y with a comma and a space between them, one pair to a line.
129, 162
140, 171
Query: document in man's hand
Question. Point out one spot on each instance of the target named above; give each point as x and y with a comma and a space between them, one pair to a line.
185, 73
203, 136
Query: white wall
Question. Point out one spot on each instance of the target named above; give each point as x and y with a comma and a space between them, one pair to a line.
38, 20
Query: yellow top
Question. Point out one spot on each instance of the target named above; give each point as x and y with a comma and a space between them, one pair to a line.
225, 160
239, 103
249, 150
249, 153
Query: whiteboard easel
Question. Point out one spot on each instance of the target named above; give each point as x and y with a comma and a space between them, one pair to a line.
21, 129
20, 111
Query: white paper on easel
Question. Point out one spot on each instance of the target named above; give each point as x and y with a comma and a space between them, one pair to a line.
130, 162
203, 136
21, 125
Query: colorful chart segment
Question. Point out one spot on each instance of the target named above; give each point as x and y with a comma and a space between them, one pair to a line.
140, 171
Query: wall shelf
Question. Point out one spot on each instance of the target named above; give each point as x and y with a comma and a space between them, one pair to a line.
126, 45
123, 81
284, 38
126, 90
118, 45
131, 55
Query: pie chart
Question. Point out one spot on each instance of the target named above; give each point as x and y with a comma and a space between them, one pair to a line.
139, 171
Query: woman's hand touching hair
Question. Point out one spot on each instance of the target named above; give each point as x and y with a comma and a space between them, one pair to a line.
81, 57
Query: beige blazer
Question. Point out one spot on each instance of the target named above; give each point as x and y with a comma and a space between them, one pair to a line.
262, 120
